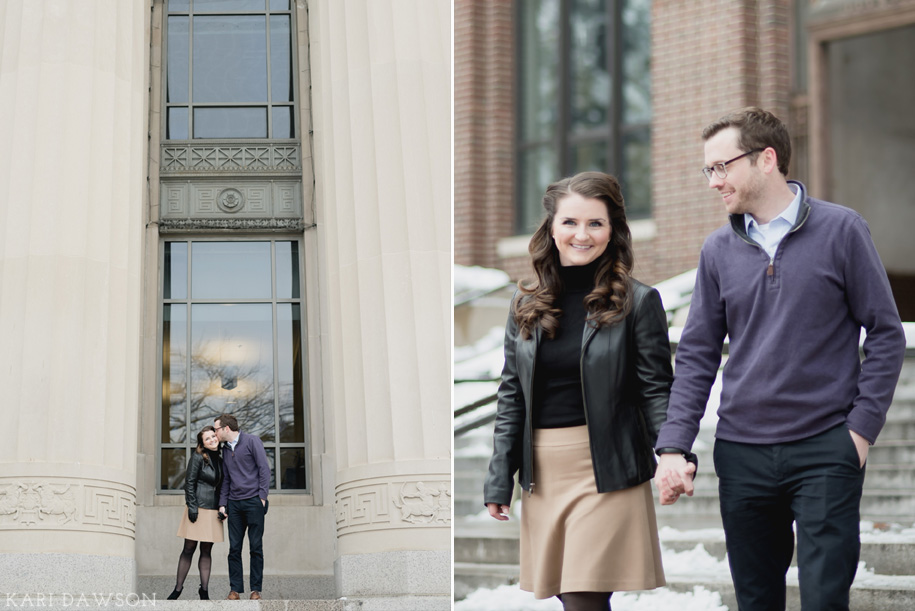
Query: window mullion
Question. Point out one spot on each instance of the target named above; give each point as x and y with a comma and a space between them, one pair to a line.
565, 87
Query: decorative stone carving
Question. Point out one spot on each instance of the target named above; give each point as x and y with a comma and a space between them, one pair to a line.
393, 504
70, 506
230, 157
230, 200
231, 224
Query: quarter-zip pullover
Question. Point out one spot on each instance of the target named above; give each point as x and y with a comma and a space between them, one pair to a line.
794, 323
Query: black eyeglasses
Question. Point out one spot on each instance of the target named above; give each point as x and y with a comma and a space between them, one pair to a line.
721, 168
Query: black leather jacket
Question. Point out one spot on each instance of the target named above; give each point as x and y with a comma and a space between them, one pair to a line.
202, 482
626, 376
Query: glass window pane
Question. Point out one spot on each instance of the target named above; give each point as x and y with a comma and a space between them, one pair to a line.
289, 372
539, 69
174, 373
178, 6
230, 122
283, 126
292, 468
178, 59
230, 59
539, 168
636, 173
174, 465
174, 272
232, 366
271, 460
636, 61
176, 125
591, 87
280, 58
287, 270
226, 270
591, 156
279, 5
212, 6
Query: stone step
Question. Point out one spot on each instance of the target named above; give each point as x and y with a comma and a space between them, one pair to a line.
275, 587
63, 602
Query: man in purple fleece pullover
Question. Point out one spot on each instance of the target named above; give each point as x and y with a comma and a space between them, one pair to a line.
791, 281
244, 494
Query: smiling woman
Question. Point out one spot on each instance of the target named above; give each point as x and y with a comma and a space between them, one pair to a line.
586, 357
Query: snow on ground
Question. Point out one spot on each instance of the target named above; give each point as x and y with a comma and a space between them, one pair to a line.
471, 282
512, 598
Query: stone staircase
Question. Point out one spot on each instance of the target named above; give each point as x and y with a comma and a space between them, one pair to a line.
486, 551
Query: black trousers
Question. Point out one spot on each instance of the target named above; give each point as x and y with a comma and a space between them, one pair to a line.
247, 514
816, 484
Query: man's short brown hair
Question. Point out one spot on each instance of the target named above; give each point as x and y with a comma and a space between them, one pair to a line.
229, 421
756, 129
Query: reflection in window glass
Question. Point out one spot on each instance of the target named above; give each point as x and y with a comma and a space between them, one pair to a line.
235, 345
287, 270
637, 61
292, 468
289, 372
540, 79
279, 5
212, 6
539, 170
280, 59
232, 366
636, 182
174, 373
178, 6
282, 122
176, 125
589, 25
174, 274
178, 60
591, 156
271, 460
221, 72
230, 122
230, 270
172, 468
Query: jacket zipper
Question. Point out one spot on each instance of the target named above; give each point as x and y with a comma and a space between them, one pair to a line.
770, 270
530, 418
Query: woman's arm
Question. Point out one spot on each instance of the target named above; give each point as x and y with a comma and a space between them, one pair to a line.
194, 465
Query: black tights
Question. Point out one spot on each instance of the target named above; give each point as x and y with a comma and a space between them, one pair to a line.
203, 564
585, 601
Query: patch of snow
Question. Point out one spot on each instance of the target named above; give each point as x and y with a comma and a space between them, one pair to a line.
512, 598
474, 281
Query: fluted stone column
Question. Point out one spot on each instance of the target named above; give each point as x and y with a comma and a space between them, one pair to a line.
381, 74
72, 181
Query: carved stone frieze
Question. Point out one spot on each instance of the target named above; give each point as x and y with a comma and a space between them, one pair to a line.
229, 157
245, 203
392, 504
58, 504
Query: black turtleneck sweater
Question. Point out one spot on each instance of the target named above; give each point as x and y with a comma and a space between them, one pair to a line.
558, 401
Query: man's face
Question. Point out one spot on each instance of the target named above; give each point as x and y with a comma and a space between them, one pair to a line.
221, 431
742, 188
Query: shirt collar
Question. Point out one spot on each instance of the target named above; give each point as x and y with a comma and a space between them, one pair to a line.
789, 214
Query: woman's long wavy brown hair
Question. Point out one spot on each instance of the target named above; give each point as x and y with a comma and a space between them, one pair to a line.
611, 299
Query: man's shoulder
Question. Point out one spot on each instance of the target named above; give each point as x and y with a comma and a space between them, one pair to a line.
823, 212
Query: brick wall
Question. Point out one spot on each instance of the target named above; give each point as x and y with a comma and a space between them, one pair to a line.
484, 128
708, 57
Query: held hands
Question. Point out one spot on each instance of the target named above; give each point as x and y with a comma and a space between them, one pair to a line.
674, 477
499, 512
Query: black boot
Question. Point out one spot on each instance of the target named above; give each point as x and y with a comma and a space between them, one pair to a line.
174, 595
204, 594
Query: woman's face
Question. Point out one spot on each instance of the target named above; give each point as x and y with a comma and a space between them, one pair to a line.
581, 229
210, 442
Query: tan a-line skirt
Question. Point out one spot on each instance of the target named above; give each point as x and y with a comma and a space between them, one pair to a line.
207, 528
574, 539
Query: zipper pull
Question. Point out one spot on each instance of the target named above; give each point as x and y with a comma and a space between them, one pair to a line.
531, 491
770, 270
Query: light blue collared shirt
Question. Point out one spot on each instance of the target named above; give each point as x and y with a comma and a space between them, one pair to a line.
770, 235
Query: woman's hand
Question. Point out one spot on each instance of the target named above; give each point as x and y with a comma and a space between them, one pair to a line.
192, 516
499, 512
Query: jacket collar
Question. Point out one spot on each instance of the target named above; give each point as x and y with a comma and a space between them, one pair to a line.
739, 225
